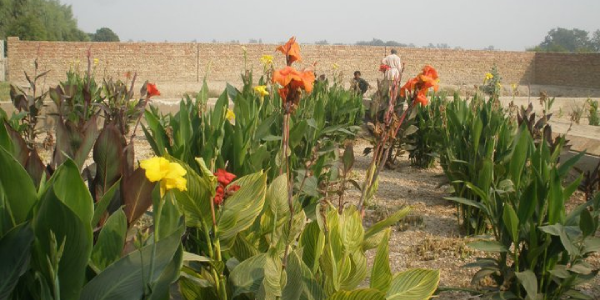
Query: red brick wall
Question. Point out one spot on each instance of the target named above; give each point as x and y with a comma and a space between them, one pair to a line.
567, 69
190, 62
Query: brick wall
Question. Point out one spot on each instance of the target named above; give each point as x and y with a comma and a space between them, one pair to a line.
190, 62
566, 69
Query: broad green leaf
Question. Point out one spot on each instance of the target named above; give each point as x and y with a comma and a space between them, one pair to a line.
126, 278
312, 241
104, 202
248, 275
184, 134
360, 294
587, 223
488, 246
161, 288
15, 251
511, 221
529, 282
389, 221
72, 191
195, 202
466, 201
519, 156
111, 240
559, 230
357, 264
414, 284
556, 201
56, 219
566, 166
381, 275
352, 232
528, 203
301, 283
241, 209
271, 288
17, 186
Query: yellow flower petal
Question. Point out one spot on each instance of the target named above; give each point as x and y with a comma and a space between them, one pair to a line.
266, 60
261, 90
156, 168
230, 115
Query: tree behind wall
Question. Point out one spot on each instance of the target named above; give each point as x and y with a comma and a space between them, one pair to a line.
569, 40
47, 20
104, 35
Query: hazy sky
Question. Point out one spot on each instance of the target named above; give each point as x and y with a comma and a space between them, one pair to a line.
470, 24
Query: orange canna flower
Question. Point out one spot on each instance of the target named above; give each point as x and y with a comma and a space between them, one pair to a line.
291, 49
430, 71
289, 76
152, 90
409, 86
421, 98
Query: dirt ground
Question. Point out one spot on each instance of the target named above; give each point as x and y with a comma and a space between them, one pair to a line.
430, 238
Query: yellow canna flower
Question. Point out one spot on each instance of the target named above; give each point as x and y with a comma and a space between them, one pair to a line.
170, 174
266, 60
488, 76
96, 61
230, 115
335, 66
514, 86
261, 90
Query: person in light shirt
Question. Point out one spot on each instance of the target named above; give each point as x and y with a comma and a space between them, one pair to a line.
393, 61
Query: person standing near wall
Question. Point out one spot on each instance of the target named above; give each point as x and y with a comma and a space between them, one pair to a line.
395, 65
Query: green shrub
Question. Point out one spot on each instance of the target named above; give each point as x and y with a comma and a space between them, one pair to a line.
476, 141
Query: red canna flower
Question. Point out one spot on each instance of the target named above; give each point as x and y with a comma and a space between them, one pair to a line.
152, 90
220, 195
291, 49
224, 177
384, 68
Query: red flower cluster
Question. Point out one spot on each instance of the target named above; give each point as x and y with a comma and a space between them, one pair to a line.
421, 84
384, 68
223, 190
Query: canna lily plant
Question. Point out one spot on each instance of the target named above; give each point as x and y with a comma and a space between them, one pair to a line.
415, 92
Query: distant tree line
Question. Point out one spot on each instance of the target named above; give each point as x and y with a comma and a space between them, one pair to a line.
45, 20
569, 40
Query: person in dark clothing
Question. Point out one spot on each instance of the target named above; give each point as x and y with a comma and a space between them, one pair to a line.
359, 84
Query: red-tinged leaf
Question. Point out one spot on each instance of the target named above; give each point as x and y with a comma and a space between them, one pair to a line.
108, 156
128, 160
64, 139
19, 146
88, 137
136, 193
36, 168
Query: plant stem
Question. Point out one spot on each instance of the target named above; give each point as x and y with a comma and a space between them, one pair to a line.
285, 162
156, 237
